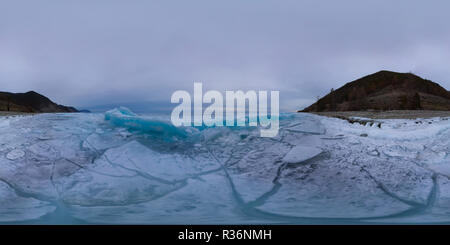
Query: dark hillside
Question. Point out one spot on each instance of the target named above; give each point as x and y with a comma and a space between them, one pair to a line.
385, 90
30, 102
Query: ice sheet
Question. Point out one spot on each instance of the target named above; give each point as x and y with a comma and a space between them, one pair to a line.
121, 167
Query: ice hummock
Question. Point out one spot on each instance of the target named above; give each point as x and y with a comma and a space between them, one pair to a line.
124, 117
121, 167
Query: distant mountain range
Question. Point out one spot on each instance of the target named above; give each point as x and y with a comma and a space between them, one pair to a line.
385, 90
142, 107
30, 102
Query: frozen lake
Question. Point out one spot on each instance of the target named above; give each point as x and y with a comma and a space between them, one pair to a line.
121, 168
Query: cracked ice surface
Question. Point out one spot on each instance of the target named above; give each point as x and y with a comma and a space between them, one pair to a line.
120, 167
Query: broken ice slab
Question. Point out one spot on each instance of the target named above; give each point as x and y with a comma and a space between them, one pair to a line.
15, 154
203, 200
15, 208
301, 153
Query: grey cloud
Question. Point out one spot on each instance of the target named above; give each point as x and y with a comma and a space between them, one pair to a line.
94, 52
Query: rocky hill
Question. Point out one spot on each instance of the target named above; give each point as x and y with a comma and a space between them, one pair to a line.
30, 102
385, 90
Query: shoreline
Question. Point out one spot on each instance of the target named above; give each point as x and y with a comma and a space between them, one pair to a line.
394, 114
15, 113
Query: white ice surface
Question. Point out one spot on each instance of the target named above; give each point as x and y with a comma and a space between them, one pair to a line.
109, 172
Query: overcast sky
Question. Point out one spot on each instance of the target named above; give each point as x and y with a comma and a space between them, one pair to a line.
98, 52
